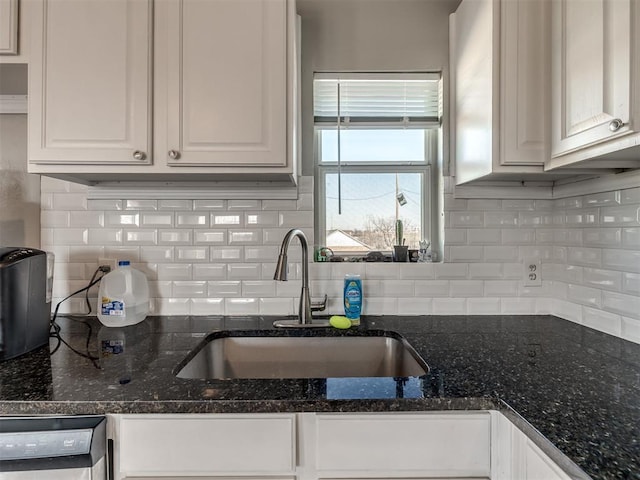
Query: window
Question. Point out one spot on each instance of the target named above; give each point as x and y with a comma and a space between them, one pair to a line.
376, 139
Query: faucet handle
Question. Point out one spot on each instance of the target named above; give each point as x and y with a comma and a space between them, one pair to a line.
319, 306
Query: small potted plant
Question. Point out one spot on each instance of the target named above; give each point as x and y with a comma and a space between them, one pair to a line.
400, 250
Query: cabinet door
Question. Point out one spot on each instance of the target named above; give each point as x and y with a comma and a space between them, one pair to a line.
524, 80
591, 61
8, 27
205, 446
224, 80
89, 82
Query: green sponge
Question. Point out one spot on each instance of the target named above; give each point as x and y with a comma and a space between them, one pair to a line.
338, 321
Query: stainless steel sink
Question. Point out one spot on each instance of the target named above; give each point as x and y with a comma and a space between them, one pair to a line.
270, 354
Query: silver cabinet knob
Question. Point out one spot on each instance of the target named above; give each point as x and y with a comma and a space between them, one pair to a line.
138, 155
174, 154
615, 124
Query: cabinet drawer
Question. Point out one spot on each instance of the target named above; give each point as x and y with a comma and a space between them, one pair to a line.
416, 445
206, 444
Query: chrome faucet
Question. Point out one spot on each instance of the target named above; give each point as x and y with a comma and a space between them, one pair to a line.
305, 307
304, 311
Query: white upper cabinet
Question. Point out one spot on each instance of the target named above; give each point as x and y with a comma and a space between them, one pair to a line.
595, 83
223, 66
8, 27
163, 90
499, 68
89, 82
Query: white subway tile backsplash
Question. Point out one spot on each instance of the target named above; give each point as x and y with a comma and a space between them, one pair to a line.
245, 237
520, 236
630, 195
262, 253
226, 254
209, 204
70, 236
484, 306
56, 219
261, 219
258, 288
156, 219
431, 288
175, 237
603, 279
209, 237
518, 306
139, 204
449, 306
589, 246
631, 283
173, 204
277, 306
414, 306
241, 306
501, 219
458, 253
567, 236
535, 219
602, 237
604, 198
296, 219
585, 295
500, 253
192, 254
141, 236
485, 236
279, 205
466, 219
122, 219
500, 288
192, 219
517, 204
455, 236
190, 289
174, 271
244, 271
589, 257
628, 305
451, 270
484, 204
624, 260
172, 306
69, 201
106, 236
207, 306
466, 288
631, 329
209, 271
628, 215
228, 219
603, 321
225, 288
631, 238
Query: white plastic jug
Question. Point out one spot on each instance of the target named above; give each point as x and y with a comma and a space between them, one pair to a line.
123, 298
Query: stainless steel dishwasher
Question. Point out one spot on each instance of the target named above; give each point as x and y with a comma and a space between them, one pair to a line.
53, 448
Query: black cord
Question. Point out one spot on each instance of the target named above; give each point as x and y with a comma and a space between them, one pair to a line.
56, 329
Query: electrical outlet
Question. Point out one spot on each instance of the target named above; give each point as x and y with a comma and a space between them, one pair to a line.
112, 263
532, 274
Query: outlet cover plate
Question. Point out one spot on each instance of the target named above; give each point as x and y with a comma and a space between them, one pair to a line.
532, 273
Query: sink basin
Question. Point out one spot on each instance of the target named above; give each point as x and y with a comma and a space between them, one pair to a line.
272, 354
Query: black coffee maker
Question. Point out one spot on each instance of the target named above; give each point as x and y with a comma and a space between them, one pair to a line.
26, 275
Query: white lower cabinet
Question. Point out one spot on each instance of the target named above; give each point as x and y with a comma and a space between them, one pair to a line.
305, 446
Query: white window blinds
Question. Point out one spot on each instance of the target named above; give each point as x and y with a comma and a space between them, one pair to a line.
411, 99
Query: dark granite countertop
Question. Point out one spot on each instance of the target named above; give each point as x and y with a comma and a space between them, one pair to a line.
578, 387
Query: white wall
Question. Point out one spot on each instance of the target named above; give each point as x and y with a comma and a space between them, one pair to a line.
19, 191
